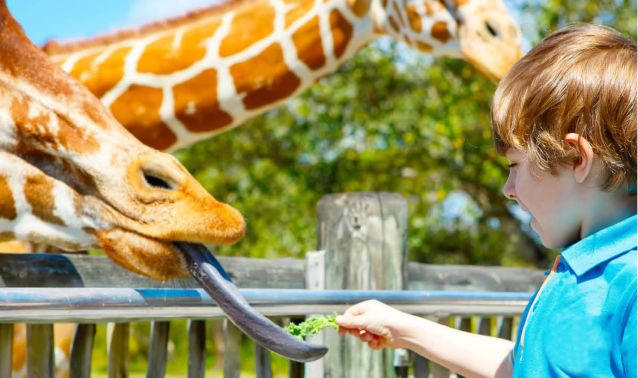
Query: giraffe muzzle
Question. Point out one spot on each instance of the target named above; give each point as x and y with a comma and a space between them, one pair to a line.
205, 268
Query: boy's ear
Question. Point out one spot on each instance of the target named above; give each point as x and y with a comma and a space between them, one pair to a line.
582, 166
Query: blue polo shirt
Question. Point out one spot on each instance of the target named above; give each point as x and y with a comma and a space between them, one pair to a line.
582, 320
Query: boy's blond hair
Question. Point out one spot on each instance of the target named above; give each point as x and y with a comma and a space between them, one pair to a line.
580, 79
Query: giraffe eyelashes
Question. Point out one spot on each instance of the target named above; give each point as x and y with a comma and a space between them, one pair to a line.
158, 183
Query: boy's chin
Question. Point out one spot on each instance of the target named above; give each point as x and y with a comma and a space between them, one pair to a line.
551, 244
556, 241
546, 239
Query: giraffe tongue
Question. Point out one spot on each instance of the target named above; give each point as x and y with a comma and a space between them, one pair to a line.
209, 273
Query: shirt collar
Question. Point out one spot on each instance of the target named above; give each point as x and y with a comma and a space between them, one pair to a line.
601, 246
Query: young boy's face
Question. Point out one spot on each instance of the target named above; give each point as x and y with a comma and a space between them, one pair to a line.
549, 198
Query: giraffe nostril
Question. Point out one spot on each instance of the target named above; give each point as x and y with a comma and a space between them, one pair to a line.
491, 29
154, 181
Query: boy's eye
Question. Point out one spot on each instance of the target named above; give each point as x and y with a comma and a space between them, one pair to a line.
512, 165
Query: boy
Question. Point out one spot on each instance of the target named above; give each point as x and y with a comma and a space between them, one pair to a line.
564, 117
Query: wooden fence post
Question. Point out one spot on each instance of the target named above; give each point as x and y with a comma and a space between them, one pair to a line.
364, 236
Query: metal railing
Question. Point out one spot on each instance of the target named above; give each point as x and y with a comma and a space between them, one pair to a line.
40, 307
82, 305
41, 290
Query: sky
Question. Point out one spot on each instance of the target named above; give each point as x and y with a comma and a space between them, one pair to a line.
62, 20
43, 20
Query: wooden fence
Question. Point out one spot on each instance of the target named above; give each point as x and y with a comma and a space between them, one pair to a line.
362, 242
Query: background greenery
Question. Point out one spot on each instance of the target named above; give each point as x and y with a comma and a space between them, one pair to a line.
388, 120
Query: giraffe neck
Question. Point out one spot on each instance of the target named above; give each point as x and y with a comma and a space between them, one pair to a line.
181, 82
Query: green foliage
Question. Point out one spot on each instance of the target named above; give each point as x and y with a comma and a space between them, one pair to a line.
312, 326
388, 120
547, 16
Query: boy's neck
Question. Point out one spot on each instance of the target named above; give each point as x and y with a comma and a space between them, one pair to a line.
609, 208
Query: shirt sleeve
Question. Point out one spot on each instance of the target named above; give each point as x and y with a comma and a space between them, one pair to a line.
628, 343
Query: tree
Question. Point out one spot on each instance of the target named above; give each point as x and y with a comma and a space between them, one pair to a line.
389, 120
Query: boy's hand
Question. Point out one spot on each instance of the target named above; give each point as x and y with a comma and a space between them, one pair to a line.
372, 322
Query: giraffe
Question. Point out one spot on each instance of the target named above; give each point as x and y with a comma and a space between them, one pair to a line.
72, 177
179, 81
157, 79
255, 54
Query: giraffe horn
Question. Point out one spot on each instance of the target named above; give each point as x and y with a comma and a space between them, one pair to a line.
203, 266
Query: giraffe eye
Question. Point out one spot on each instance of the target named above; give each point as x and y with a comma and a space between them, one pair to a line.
156, 182
491, 29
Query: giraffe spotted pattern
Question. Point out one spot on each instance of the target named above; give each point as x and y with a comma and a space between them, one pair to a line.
181, 81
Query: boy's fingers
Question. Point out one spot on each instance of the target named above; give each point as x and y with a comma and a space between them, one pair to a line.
348, 331
352, 321
357, 309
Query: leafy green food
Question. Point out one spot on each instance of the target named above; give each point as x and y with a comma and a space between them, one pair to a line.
312, 326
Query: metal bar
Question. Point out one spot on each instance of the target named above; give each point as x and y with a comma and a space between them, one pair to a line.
421, 367
81, 351
485, 326
196, 348
42, 305
232, 350
315, 280
504, 328
6, 348
297, 369
157, 354
437, 370
401, 362
263, 368
40, 361
117, 345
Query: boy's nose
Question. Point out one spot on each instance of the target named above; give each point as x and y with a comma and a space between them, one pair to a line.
508, 189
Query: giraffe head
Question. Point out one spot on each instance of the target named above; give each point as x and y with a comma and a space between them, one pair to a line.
488, 36
71, 176
479, 31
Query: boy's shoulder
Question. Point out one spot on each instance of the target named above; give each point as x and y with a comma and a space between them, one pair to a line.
626, 262
623, 267
621, 274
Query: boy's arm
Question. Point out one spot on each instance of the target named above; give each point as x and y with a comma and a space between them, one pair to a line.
468, 354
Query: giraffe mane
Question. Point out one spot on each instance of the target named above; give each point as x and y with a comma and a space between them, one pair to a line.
55, 47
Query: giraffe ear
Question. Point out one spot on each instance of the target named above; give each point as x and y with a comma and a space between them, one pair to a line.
359, 7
